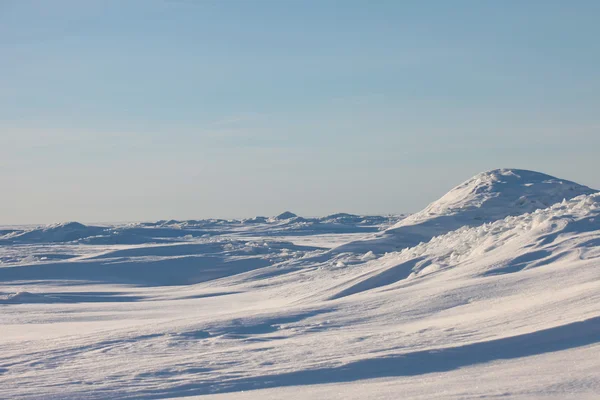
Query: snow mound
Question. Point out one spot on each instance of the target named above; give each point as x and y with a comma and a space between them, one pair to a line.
569, 230
57, 233
255, 220
24, 297
342, 218
496, 194
284, 216
72, 232
539, 228
487, 197
352, 219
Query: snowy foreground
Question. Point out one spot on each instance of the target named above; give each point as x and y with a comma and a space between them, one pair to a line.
493, 291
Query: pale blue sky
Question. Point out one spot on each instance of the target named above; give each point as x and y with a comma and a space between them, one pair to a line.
143, 110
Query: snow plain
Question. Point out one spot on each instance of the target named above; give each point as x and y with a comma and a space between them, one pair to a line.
493, 291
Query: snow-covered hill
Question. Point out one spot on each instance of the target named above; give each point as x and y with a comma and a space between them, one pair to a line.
486, 197
493, 195
500, 299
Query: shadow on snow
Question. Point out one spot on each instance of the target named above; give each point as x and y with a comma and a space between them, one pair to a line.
559, 338
167, 272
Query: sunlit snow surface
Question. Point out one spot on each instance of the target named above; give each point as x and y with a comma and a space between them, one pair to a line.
506, 306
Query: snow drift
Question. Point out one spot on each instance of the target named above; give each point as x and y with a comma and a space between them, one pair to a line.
486, 197
566, 230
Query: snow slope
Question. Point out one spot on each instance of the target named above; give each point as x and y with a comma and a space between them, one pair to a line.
486, 197
506, 305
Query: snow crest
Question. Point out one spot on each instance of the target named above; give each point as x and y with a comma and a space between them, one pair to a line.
487, 197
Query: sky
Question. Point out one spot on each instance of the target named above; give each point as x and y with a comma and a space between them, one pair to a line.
134, 110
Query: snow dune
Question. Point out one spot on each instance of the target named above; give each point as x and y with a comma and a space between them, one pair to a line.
486, 197
491, 291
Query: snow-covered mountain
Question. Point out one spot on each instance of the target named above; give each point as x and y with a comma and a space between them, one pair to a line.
493, 292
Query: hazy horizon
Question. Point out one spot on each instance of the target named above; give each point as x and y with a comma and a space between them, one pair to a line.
147, 110
239, 217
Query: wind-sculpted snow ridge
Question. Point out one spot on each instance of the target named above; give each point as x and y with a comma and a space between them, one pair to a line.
496, 194
284, 219
284, 216
285, 224
566, 229
190, 230
350, 219
486, 197
74, 232
62, 232
542, 228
